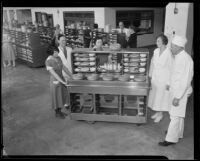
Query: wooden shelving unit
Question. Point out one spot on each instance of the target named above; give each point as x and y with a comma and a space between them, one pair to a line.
29, 48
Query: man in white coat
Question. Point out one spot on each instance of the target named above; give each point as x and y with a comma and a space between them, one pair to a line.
65, 55
180, 88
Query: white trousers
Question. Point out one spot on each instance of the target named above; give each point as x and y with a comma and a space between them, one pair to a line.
175, 129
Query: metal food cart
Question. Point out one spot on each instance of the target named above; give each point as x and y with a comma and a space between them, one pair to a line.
110, 100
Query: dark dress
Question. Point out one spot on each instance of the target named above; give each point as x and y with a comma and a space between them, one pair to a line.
58, 90
87, 38
132, 41
121, 39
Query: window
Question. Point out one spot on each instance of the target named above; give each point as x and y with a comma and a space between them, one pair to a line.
75, 17
142, 20
44, 19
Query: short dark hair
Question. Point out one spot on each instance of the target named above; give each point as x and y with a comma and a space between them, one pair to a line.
51, 50
95, 26
60, 35
56, 49
163, 38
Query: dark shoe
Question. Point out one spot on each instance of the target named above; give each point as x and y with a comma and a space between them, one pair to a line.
66, 106
165, 143
60, 114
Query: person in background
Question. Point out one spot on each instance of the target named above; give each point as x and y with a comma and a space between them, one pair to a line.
35, 26
55, 38
132, 37
123, 35
5, 24
159, 75
87, 37
95, 26
180, 89
99, 45
122, 29
54, 43
57, 30
7, 50
57, 82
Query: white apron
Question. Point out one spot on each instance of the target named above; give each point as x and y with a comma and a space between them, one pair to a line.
66, 61
180, 87
180, 84
160, 73
178, 110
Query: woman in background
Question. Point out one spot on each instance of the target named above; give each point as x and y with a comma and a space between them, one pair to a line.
8, 50
159, 74
99, 45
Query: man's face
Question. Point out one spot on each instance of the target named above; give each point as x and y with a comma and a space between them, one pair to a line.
62, 41
99, 43
175, 49
121, 25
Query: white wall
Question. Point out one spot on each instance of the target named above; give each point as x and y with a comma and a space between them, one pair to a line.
110, 17
179, 23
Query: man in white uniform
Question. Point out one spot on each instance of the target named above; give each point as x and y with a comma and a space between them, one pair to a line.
122, 29
123, 35
180, 88
65, 55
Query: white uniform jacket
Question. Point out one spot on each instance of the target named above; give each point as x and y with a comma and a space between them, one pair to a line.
180, 82
160, 67
66, 61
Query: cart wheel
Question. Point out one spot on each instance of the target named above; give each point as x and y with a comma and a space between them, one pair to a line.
90, 122
138, 124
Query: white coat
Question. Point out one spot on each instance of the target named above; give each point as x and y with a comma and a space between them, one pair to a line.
180, 82
160, 73
66, 61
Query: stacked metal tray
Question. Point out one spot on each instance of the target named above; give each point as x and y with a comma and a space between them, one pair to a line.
135, 63
84, 62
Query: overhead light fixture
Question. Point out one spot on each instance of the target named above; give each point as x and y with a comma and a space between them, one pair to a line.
175, 9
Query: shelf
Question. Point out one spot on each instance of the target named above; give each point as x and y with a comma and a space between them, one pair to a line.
32, 53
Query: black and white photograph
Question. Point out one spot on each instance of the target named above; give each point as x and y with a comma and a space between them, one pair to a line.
98, 81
